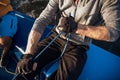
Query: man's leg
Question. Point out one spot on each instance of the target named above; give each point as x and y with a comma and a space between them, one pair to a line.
71, 64
50, 54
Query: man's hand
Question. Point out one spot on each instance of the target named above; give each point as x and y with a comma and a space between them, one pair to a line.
67, 24
25, 65
72, 25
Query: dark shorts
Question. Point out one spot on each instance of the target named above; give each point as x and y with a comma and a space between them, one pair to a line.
71, 63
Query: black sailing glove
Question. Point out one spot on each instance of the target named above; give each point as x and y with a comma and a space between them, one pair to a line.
67, 24
25, 65
71, 24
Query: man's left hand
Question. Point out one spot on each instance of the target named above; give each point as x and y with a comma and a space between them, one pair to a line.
72, 25
67, 24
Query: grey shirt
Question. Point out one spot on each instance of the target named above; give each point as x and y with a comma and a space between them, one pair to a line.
87, 12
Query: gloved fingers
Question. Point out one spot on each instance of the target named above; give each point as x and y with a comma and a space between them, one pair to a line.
34, 66
27, 69
72, 24
30, 68
18, 70
62, 21
25, 65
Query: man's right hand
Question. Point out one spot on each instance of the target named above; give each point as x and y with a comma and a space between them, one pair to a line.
25, 65
67, 24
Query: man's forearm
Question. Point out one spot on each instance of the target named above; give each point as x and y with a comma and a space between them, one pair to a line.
32, 42
98, 33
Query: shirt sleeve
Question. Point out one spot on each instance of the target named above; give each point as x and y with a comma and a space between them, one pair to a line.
111, 14
46, 17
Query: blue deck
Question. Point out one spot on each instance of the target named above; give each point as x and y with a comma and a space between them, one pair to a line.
100, 65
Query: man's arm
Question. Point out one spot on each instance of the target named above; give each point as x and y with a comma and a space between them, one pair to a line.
40, 23
110, 12
33, 39
98, 33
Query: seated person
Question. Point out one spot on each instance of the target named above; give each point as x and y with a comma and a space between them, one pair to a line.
8, 28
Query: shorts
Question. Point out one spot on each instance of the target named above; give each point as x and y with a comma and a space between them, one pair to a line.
8, 25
